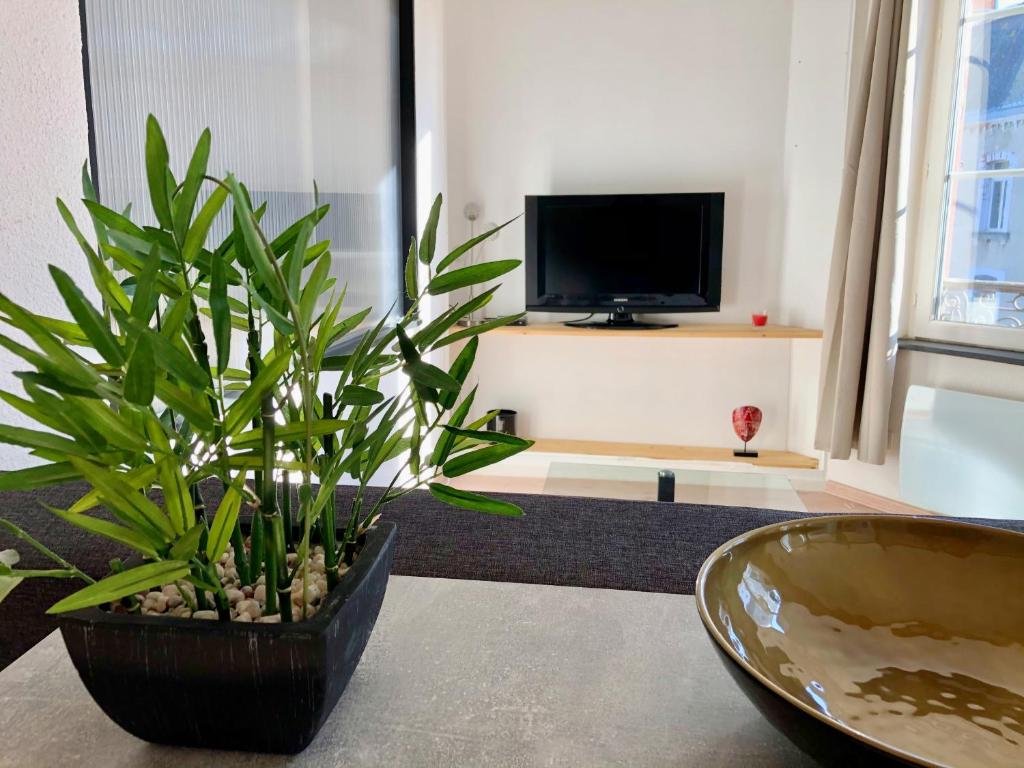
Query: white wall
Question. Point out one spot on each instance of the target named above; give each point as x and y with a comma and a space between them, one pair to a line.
812, 172
653, 95
605, 96
44, 138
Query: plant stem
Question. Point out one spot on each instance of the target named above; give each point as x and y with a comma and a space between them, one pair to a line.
268, 504
329, 514
286, 507
241, 561
220, 597
44, 550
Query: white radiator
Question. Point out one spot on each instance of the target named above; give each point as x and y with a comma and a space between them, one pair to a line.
962, 454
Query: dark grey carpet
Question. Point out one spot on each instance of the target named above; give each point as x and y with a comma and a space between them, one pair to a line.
644, 546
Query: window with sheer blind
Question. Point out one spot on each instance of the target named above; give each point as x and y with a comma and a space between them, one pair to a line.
293, 91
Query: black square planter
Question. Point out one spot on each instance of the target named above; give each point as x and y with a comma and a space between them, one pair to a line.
231, 685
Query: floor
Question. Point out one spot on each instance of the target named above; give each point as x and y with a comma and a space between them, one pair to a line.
816, 496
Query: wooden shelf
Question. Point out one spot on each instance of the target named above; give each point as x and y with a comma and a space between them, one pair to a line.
695, 331
784, 459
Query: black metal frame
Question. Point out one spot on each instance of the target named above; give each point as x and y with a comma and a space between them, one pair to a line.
407, 130
407, 141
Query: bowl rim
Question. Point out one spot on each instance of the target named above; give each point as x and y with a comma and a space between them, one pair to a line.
743, 538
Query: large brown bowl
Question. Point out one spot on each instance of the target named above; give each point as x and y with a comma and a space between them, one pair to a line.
877, 639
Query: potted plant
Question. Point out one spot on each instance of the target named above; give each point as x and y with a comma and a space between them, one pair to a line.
135, 398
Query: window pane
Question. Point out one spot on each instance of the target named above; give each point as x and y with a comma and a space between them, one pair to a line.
981, 276
984, 6
990, 102
293, 91
983, 273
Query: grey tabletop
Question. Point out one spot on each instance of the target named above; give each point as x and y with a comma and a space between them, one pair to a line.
463, 673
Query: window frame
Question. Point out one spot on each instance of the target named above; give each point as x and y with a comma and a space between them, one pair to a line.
940, 135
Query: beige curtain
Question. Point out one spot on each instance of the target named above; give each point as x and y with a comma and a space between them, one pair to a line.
862, 306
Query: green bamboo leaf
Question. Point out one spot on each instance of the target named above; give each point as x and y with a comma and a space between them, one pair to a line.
115, 427
313, 289
136, 236
257, 252
406, 346
459, 370
185, 203
241, 412
411, 283
172, 359
187, 403
57, 384
324, 325
41, 409
177, 498
489, 436
173, 320
476, 330
431, 376
292, 431
446, 441
195, 238
186, 547
482, 421
139, 378
138, 579
466, 276
284, 242
104, 279
224, 520
467, 500
37, 477
415, 443
108, 530
140, 477
135, 265
89, 193
127, 503
7, 585
236, 305
279, 320
437, 327
471, 244
62, 362
156, 172
65, 329
254, 460
352, 394
49, 367
480, 458
145, 300
30, 438
347, 325
221, 313
296, 258
429, 240
88, 318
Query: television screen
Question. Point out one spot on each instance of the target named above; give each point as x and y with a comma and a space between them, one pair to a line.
642, 253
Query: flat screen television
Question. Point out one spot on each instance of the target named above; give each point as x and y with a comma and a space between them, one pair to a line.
624, 254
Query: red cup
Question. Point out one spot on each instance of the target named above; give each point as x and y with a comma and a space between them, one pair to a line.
759, 318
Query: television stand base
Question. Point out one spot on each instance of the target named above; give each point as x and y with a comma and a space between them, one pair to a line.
620, 320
